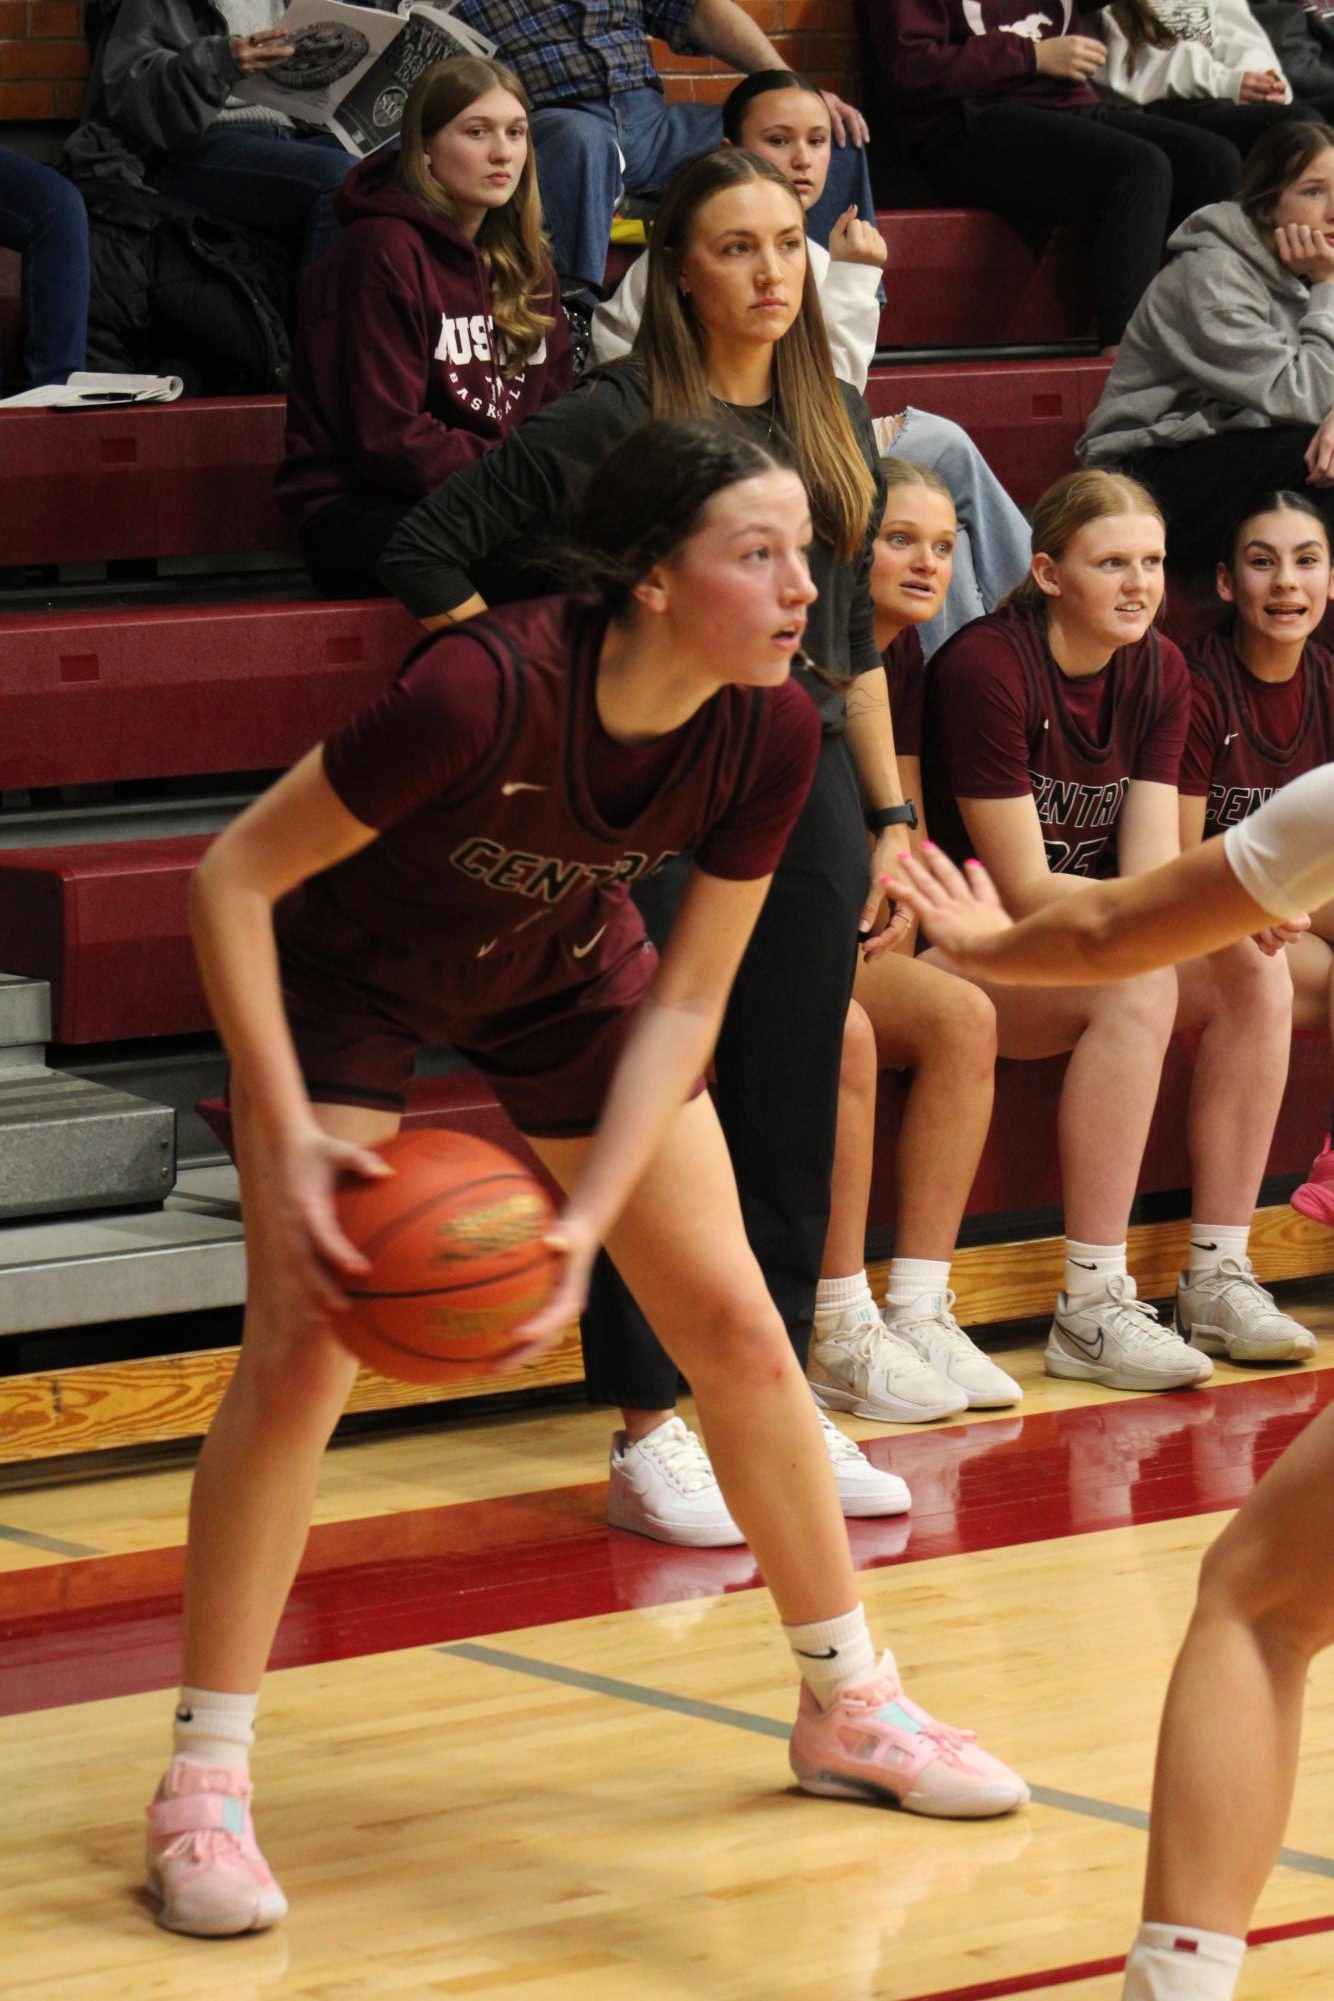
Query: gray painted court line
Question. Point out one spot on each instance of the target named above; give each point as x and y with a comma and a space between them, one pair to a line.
767, 1726
31, 1539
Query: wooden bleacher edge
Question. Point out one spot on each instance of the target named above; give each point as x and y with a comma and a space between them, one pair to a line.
172, 1398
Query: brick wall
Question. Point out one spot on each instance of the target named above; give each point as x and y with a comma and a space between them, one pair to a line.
44, 60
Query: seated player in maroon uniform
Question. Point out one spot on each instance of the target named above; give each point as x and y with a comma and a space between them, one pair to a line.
906, 1015
1055, 732
456, 862
1262, 713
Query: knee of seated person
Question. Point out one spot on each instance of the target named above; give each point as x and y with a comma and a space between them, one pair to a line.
968, 1025
1148, 1002
1254, 981
570, 143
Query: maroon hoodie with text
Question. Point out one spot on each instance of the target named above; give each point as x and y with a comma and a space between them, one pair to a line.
396, 376
932, 53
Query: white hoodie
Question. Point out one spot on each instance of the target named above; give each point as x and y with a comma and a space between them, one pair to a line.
1225, 339
1217, 42
847, 296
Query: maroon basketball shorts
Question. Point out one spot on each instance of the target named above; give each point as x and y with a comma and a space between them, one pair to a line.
545, 1024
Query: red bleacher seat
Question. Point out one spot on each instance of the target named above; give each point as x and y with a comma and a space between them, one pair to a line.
87, 697
176, 479
1024, 416
105, 926
966, 278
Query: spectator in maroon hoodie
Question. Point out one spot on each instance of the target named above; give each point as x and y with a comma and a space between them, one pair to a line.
998, 112
431, 328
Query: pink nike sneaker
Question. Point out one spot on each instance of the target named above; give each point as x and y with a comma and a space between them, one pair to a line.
1315, 1197
204, 1865
877, 1744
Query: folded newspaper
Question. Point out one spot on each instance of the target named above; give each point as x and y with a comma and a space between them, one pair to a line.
351, 68
89, 389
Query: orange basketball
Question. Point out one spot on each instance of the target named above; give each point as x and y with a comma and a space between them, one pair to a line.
454, 1239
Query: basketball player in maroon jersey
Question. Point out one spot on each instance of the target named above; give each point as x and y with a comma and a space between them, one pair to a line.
1265, 1607
1262, 713
455, 863
1056, 729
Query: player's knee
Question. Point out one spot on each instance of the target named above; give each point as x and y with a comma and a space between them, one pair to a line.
290, 1370
1241, 1580
747, 1346
967, 1028
1145, 1006
1255, 987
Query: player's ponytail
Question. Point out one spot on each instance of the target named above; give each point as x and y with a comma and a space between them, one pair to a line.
646, 500
1069, 505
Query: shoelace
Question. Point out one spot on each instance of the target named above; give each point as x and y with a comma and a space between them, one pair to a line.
880, 1346
840, 1445
950, 1333
1132, 1319
681, 1456
880, 1695
205, 1845
1243, 1290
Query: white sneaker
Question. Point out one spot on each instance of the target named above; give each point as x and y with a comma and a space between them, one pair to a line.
862, 1488
929, 1326
665, 1487
1228, 1312
1114, 1338
860, 1365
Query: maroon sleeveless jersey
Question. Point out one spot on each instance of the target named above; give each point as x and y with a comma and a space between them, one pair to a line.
1002, 720
1248, 737
489, 827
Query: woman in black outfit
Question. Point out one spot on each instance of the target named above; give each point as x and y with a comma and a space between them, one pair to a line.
730, 329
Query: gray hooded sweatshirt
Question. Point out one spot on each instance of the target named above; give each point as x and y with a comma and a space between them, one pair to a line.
1225, 339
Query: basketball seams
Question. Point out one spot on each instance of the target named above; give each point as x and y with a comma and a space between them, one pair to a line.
456, 1286
403, 1219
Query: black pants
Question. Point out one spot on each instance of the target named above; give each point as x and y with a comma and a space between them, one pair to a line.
1204, 488
777, 1085
342, 544
1242, 124
1128, 178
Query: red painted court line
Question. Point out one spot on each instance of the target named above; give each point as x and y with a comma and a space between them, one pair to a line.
1094, 1969
88, 1629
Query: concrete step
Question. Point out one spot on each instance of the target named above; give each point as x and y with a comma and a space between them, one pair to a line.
67, 1144
25, 1015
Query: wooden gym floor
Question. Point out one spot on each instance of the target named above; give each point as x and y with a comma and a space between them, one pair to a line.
508, 1752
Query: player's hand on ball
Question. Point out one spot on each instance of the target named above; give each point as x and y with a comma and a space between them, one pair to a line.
576, 1244
309, 1169
959, 910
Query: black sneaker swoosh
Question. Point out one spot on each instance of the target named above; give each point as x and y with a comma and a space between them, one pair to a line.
829, 1654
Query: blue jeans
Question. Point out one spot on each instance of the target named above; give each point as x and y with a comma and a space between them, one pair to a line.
580, 150
42, 216
992, 553
261, 177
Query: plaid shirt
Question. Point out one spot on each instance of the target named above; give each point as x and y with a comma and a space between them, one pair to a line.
567, 51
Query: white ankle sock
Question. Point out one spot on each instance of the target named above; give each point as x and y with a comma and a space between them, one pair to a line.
1179, 1963
1089, 1266
909, 1278
836, 1296
1210, 1243
213, 1728
833, 1654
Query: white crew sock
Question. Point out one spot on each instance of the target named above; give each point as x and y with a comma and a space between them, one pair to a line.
833, 1654
909, 1278
1179, 1963
1210, 1243
836, 1296
1089, 1266
213, 1728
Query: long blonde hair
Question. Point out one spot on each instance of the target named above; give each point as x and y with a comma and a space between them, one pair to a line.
1069, 505
672, 348
510, 240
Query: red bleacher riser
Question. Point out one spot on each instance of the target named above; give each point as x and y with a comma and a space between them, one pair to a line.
92, 696
959, 277
1024, 416
105, 924
175, 479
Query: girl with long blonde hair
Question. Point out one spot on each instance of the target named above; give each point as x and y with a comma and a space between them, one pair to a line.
1055, 734
431, 328
731, 332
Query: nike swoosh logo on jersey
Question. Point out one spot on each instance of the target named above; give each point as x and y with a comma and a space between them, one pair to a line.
513, 785
490, 946
582, 951
1093, 1349
1228, 738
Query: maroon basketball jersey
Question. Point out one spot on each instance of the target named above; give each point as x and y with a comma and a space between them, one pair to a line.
1003, 720
905, 674
1248, 737
512, 841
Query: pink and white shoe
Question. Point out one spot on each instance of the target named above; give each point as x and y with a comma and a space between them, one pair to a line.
204, 1866
1315, 1197
874, 1743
